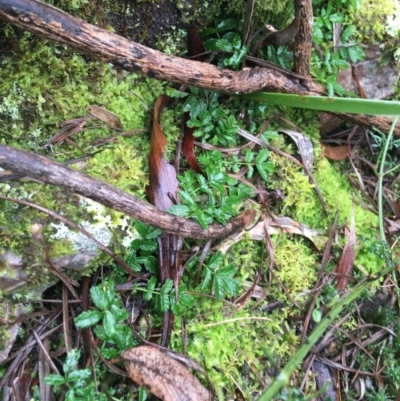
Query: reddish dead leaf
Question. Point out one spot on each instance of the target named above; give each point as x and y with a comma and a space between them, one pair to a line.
337, 152
196, 47
163, 186
196, 51
104, 115
163, 376
162, 192
345, 268
188, 146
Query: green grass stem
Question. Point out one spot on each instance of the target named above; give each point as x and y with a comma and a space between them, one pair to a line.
332, 104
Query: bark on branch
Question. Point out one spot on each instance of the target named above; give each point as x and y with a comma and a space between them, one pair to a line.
47, 171
52, 23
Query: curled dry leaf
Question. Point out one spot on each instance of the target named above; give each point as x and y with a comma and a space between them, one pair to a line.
336, 153
104, 115
163, 376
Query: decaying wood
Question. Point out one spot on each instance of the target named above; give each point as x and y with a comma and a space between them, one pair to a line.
49, 22
54, 24
303, 42
47, 171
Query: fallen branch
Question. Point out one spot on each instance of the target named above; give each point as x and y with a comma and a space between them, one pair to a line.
52, 23
47, 171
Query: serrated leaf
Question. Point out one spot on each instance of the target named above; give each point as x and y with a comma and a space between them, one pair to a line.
123, 337
100, 298
249, 156
80, 374
318, 36
356, 53
71, 360
150, 288
215, 260
262, 156
164, 295
120, 314
153, 233
88, 318
109, 324
110, 353
347, 33
54, 380
141, 228
227, 24
179, 210
70, 395
224, 45
187, 198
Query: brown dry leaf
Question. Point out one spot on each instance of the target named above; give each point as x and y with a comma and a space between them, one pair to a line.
345, 268
104, 115
163, 376
70, 127
276, 225
337, 152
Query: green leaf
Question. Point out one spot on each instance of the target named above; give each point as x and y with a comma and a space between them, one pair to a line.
70, 395
224, 45
88, 318
109, 324
356, 53
347, 33
317, 315
164, 295
318, 36
227, 24
215, 261
179, 210
78, 375
237, 42
201, 217
124, 337
262, 156
187, 198
336, 17
120, 314
142, 394
100, 298
148, 295
249, 156
54, 380
71, 361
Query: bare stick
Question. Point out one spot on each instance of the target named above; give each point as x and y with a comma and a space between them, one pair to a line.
45, 170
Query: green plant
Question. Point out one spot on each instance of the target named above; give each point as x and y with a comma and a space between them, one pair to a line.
115, 334
78, 382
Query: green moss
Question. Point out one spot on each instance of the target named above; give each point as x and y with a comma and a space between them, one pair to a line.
296, 264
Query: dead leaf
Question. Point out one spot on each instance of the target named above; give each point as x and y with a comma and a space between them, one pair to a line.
188, 146
304, 145
276, 225
70, 127
105, 115
163, 376
163, 186
163, 193
337, 152
345, 268
196, 48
